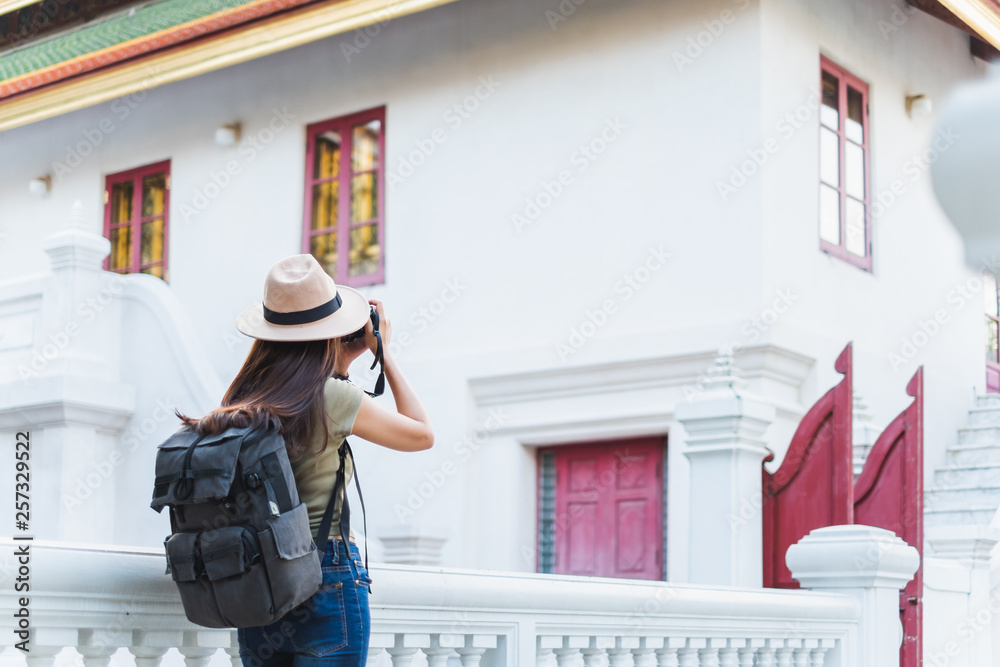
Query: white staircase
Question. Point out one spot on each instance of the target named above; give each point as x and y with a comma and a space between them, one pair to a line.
966, 489
864, 433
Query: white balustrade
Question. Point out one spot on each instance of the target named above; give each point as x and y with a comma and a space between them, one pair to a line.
99, 600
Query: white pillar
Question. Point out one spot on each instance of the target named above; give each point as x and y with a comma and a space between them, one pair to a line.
972, 546
64, 387
725, 446
868, 564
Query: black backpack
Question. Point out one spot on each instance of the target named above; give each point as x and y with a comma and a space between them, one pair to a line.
240, 550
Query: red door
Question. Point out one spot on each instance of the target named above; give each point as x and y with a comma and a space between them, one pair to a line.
609, 509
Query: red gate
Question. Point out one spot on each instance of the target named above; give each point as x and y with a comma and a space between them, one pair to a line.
815, 475
889, 494
815, 487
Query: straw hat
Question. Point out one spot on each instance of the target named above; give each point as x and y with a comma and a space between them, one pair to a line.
302, 302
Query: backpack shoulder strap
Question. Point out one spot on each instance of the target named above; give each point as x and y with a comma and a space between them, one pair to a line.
323, 533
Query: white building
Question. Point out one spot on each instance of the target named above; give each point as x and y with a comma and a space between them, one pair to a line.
580, 203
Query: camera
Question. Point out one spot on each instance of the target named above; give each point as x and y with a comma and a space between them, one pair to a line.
360, 333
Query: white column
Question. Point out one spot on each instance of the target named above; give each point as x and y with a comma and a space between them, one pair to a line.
868, 564
725, 447
68, 391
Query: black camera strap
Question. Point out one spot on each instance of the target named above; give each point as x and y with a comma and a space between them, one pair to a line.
379, 359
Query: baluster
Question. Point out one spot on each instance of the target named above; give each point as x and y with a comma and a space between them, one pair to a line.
41, 656
688, 656
377, 643
441, 648
565, 656
147, 656
729, 655
571, 647
708, 657
803, 651
667, 656
783, 656
765, 656
470, 657
749, 650
374, 656
544, 646
196, 656
402, 656
643, 656
405, 648
596, 647
621, 654
97, 646
234, 655
819, 654
96, 656
198, 646
233, 650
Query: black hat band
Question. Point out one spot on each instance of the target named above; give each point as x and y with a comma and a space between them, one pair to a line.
304, 316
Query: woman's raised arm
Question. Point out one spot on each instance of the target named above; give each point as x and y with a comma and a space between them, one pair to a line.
408, 429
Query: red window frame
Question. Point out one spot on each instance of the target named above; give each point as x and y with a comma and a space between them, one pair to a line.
136, 175
343, 124
846, 79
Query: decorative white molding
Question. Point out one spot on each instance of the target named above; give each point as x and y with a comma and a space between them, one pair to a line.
852, 556
626, 398
969, 544
60, 400
409, 544
184, 340
76, 246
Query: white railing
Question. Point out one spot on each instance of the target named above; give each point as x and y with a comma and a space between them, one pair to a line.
100, 600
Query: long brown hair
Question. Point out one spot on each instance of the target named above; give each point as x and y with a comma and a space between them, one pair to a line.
282, 380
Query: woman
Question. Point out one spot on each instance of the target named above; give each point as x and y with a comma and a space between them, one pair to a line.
297, 371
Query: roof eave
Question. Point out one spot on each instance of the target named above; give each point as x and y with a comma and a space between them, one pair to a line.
982, 16
281, 33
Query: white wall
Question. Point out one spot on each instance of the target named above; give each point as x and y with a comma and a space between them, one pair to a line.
557, 86
917, 254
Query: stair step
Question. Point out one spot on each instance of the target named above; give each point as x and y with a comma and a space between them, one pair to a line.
962, 497
988, 401
983, 434
973, 475
962, 455
984, 416
977, 515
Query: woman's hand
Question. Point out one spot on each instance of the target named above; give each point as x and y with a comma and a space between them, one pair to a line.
384, 328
